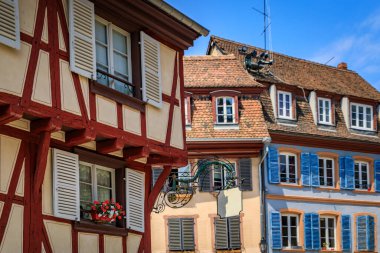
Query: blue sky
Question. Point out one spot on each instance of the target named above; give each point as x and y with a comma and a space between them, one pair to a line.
317, 30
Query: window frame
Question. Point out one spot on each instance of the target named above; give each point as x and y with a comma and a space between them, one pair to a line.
324, 115
360, 179
94, 185
284, 93
187, 110
289, 237
287, 154
327, 233
325, 172
225, 110
365, 106
223, 177
110, 27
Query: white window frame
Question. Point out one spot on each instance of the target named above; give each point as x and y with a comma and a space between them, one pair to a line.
187, 112
325, 171
225, 110
289, 230
287, 167
111, 69
285, 93
326, 217
324, 115
223, 176
361, 163
364, 116
94, 181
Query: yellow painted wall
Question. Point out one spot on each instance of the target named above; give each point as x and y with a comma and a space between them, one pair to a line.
203, 207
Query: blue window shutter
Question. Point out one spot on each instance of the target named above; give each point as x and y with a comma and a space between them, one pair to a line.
314, 170
361, 223
377, 175
273, 168
315, 231
346, 232
305, 169
349, 171
370, 233
308, 231
342, 172
275, 223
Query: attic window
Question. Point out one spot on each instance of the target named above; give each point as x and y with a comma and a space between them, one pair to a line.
324, 111
225, 110
361, 116
285, 109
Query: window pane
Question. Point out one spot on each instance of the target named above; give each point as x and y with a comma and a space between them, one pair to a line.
119, 42
230, 119
101, 55
229, 109
101, 33
85, 192
293, 221
104, 194
292, 160
84, 173
220, 110
120, 64
220, 119
103, 178
228, 101
220, 101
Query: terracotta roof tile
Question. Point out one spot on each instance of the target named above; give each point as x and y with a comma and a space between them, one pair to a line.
307, 74
216, 71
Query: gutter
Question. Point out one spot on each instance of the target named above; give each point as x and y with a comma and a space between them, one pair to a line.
226, 139
171, 11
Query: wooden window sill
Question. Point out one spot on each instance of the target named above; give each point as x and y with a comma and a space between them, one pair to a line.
293, 250
290, 185
228, 251
117, 96
91, 227
364, 192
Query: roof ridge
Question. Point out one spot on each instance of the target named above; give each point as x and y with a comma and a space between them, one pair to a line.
284, 55
210, 57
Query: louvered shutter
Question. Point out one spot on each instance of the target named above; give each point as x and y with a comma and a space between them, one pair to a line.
305, 169
342, 172
377, 175
151, 70
349, 172
245, 174
315, 231
234, 232
188, 234
273, 168
361, 223
156, 172
308, 231
314, 170
135, 193
275, 223
9, 23
66, 185
174, 226
221, 233
370, 233
82, 38
346, 232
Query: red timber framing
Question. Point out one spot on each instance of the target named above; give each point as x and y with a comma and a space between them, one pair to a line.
79, 129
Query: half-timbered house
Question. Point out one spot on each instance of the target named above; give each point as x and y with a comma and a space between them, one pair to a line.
90, 98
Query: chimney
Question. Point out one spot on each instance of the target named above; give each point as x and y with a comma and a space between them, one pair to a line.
342, 65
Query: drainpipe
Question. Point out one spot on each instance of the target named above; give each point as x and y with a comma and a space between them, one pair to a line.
263, 209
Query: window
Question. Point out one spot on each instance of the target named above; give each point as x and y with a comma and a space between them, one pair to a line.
326, 172
362, 176
225, 110
222, 177
365, 230
181, 234
285, 105
289, 226
327, 226
288, 168
324, 110
361, 117
95, 183
113, 57
187, 111
227, 233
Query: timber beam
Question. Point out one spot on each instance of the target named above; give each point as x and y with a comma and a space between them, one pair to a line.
109, 145
131, 154
167, 161
9, 113
45, 125
79, 136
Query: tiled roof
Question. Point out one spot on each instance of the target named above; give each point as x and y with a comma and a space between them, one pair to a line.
216, 71
307, 74
251, 123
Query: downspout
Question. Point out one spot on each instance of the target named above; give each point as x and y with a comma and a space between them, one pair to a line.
263, 208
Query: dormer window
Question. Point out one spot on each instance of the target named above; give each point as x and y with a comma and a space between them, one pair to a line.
225, 110
285, 109
361, 116
324, 111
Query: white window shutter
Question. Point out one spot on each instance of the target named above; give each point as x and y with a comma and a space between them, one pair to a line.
9, 23
82, 38
151, 70
66, 185
135, 187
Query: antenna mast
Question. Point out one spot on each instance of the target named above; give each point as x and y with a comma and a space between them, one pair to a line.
265, 24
